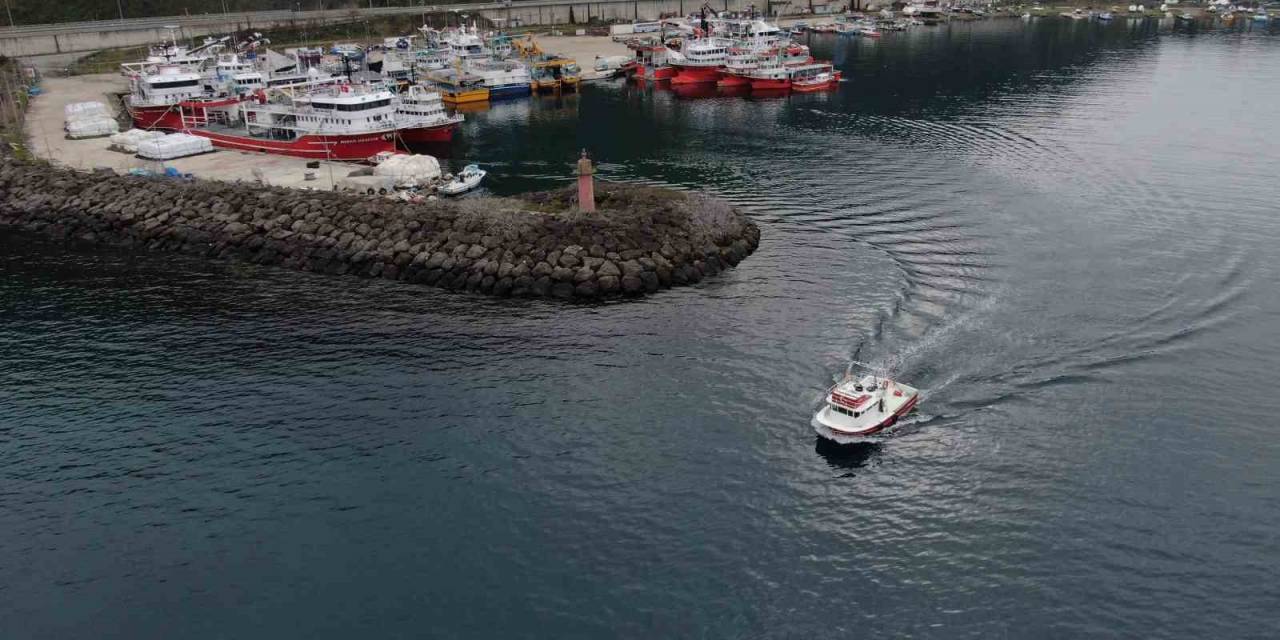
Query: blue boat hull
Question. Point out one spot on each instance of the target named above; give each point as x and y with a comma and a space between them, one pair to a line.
509, 91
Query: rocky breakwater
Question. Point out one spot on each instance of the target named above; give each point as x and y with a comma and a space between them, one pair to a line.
641, 239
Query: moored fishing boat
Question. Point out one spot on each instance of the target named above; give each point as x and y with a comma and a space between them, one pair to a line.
458, 87
700, 60
770, 76
172, 54
421, 117
814, 77
503, 78
556, 74
794, 54
863, 406
466, 180
738, 63
651, 63
334, 123
544, 80
153, 99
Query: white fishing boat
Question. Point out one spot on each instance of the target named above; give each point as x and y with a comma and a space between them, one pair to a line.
860, 406
422, 117
466, 180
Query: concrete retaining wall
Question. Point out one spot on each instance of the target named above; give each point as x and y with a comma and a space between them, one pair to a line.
641, 241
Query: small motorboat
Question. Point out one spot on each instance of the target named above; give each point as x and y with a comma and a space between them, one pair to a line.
862, 406
466, 180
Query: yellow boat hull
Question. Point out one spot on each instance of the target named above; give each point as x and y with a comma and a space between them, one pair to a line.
465, 97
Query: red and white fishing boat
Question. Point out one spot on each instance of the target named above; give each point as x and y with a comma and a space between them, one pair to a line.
173, 54
740, 62
333, 123
700, 60
650, 63
771, 75
862, 406
795, 54
814, 77
153, 99
422, 117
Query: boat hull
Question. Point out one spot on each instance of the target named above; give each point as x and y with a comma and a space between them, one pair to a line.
665, 72
173, 117
729, 81
695, 75
510, 91
441, 133
464, 97
167, 118
758, 84
358, 147
813, 87
802, 86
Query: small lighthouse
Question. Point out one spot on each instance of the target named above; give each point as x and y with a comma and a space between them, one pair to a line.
586, 186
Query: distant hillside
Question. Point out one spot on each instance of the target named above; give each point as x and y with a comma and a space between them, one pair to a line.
35, 12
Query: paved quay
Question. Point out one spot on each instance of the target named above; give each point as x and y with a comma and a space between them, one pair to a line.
48, 141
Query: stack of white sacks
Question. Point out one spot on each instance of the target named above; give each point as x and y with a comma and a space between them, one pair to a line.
89, 120
177, 145
409, 170
128, 141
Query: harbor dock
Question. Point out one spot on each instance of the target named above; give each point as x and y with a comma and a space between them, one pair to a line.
47, 142
46, 139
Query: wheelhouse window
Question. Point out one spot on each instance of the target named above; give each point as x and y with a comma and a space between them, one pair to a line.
175, 84
367, 105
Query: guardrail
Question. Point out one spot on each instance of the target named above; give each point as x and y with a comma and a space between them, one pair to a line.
249, 17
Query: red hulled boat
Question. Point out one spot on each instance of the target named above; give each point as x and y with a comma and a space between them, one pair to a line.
651, 63
700, 60
422, 117
340, 123
814, 77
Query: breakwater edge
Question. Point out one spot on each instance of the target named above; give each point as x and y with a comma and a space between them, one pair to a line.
640, 240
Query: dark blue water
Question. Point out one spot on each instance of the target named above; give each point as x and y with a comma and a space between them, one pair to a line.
1065, 233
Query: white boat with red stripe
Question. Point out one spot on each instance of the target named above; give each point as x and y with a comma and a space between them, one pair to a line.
862, 406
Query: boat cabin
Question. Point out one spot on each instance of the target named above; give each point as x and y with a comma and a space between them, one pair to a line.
337, 111
421, 105
170, 86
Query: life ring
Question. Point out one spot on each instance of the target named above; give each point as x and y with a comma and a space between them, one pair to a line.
370, 191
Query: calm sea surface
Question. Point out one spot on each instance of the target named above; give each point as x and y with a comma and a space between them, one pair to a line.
1065, 233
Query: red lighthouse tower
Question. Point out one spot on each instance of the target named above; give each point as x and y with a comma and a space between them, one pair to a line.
586, 185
